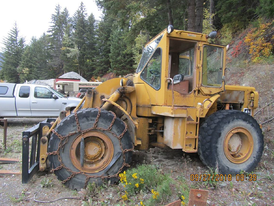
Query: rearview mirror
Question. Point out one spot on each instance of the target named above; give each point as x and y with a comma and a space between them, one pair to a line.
178, 78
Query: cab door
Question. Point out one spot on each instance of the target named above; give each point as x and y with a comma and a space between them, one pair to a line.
212, 73
43, 104
23, 101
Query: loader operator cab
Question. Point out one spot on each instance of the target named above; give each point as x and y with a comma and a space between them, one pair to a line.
186, 59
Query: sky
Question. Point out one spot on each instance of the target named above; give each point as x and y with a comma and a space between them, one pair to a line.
33, 17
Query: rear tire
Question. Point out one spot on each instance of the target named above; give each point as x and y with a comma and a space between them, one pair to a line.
231, 141
104, 155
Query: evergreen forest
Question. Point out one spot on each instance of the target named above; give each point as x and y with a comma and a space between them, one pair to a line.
114, 44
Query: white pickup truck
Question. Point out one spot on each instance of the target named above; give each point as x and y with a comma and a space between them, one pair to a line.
31, 100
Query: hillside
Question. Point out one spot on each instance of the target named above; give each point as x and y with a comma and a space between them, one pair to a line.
244, 69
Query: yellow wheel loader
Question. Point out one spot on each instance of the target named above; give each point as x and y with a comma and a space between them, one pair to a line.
177, 98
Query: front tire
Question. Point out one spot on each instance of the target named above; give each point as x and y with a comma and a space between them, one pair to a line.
89, 146
231, 141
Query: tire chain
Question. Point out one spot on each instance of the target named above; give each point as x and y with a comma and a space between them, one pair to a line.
64, 140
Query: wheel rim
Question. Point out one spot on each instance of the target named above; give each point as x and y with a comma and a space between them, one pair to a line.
98, 152
238, 145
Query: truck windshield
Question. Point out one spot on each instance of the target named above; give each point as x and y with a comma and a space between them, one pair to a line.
60, 95
147, 52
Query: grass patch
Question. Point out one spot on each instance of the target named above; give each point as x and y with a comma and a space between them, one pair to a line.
19, 199
213, 180
46, 183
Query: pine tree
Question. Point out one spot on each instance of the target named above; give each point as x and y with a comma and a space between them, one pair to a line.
59, 26
91, 47
266, 8
80, 37
34, 64
121, 58
103, 46
236, 13
14, 48
70, 54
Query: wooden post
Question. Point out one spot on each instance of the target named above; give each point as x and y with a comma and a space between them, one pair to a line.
5, 132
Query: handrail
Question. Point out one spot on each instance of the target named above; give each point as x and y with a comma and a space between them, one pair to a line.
172, 83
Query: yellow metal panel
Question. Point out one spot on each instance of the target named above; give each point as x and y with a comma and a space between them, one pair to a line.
256, 99
142, 134
210, 101
144, 111
190, 145
174, 132
143, 98
169, 111
132, 97
104, 90
188, 35
43, 149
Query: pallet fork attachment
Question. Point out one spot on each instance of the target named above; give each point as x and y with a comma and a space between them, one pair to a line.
31, 149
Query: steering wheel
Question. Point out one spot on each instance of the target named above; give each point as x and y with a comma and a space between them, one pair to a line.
154, 72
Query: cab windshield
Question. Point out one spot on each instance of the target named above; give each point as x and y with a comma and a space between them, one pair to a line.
147, 52
60, 95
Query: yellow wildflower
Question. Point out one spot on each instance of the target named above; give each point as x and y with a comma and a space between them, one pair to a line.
155, 194
124, 197
137, 185
135, 176
123, 177
183, 203
142, 204
182, 197
142, 181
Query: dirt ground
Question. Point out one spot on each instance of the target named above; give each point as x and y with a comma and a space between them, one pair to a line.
44, 188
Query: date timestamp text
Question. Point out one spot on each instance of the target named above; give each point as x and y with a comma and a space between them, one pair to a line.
223, 177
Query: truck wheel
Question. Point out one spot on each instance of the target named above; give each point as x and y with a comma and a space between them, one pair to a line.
231, 141
89, 146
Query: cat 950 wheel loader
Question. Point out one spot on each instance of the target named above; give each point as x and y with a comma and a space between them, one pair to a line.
177, 98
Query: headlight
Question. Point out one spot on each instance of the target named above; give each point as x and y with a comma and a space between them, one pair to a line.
170, 29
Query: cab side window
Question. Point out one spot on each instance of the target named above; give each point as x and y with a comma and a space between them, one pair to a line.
3, 90
152, 72
24, 91
186, 62
41, 92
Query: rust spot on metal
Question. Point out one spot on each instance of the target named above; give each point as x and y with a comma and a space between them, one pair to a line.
232, 97
198, 197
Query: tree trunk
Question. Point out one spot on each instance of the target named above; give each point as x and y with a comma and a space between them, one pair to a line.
211, 10
170, 19
199, 16
191, 15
